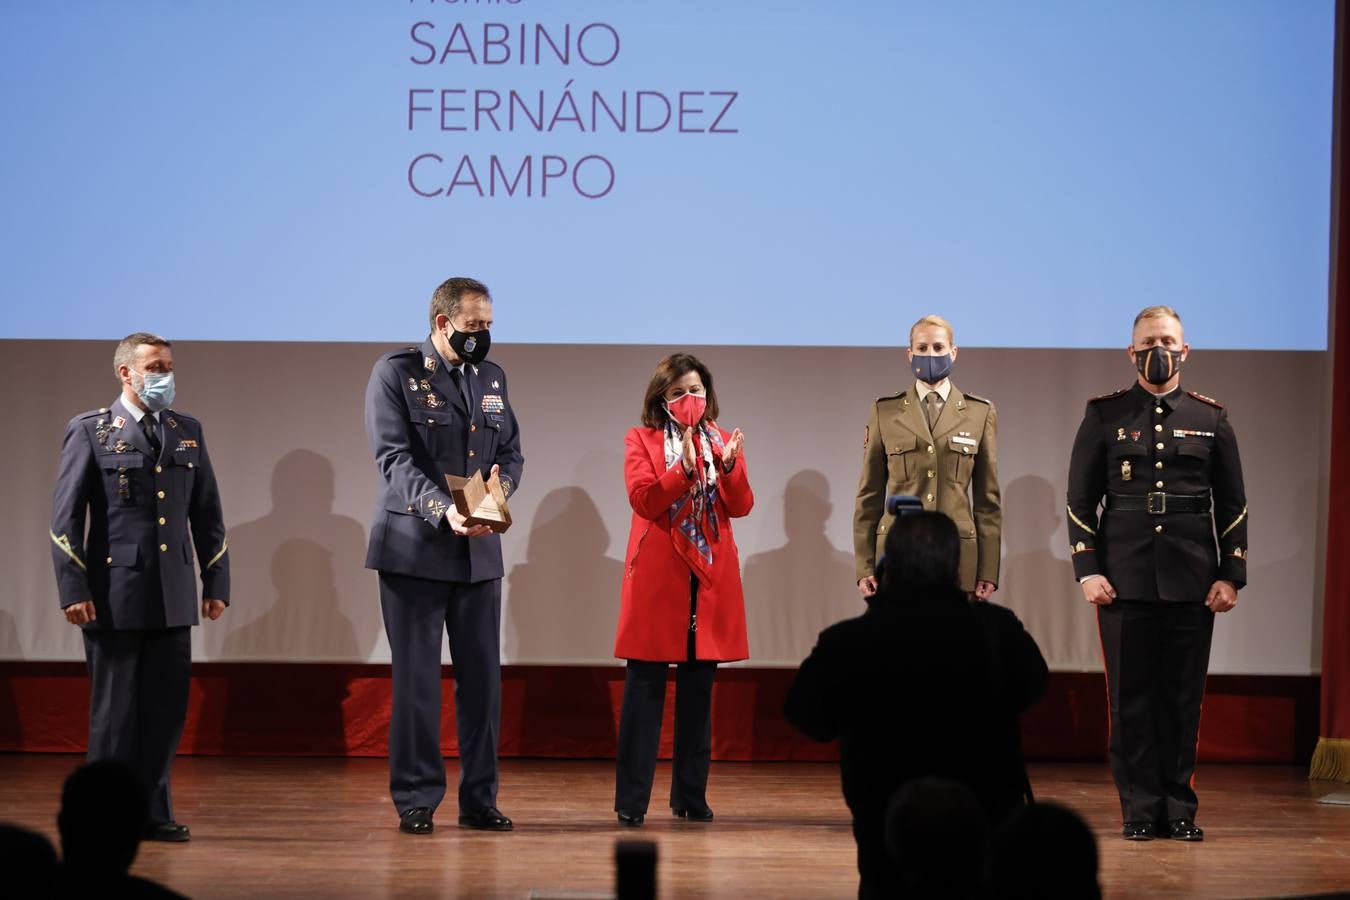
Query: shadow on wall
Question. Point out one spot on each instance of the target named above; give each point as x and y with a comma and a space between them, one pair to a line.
1038, 585
563, 602
564, 599
294, 572
794, 592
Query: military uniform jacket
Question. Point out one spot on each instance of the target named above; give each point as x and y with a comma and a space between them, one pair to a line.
953, 471
421, 430
144, 517
1133, 444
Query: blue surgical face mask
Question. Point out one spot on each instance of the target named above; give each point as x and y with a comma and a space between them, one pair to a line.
156, 389
931, 369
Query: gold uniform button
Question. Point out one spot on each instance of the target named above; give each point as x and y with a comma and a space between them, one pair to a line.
473, 427
932, 474
431, 421
1159, 445
159, 469
1157, 529
1157, 428
163, 521
1158, 483
472, 454
189, 465
930, 448
1158, 464
1158, 410
110, 560
159, 494
929, 498
163, 548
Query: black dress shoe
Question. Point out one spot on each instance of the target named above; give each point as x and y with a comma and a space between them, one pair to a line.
416, 821
169, 832
632, 820
700, 814
1185, 830
1138, 831
490, 819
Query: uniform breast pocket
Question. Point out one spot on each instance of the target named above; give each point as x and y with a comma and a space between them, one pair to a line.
430, 426
183, 475
1192, 455
1126, 462
902, 457
492, 439
961, 453
123, 477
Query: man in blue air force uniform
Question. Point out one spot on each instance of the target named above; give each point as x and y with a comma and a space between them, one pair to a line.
431, 411
138, 475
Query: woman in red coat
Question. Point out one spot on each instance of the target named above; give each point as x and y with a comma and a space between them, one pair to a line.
682, 601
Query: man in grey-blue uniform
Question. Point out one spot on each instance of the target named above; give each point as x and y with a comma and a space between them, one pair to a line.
435, 410
138, 475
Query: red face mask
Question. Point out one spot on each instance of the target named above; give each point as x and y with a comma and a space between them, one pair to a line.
687, 410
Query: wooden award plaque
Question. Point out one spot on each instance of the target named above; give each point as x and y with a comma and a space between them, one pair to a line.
480, 502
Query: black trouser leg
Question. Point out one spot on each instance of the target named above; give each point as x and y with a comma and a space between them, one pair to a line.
644, 700
165, 675
693, 734
414, 616
1131, 643
1184, 663
474, 621
138, 690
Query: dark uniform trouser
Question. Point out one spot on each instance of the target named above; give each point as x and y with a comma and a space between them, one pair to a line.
415, 612
644, 701
1157, 655
138, 698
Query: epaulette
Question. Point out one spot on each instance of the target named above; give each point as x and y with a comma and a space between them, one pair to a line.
978, 399
893, 396
102, 411
1203, 399
1107, 396
188, 417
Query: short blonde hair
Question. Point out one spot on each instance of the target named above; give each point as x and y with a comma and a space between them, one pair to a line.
933, 320
1154, 312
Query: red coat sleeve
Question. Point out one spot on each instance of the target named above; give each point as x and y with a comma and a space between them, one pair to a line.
649, 492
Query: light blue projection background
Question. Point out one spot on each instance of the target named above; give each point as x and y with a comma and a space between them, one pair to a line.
1037, 171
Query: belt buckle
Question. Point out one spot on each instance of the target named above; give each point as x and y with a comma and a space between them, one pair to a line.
1159, 507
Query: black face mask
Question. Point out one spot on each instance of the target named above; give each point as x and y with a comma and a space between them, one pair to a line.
1157, 364
470, 346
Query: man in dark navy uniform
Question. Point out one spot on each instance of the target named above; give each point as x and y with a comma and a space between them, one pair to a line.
1164, 465
138, 475
431, 411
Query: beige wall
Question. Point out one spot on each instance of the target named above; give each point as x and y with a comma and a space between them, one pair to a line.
283, 421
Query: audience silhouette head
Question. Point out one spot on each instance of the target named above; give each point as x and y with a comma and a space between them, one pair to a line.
923, 552
103, 814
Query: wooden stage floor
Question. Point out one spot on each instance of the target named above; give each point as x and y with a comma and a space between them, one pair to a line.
273, 827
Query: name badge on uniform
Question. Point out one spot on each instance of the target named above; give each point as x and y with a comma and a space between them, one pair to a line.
970, 442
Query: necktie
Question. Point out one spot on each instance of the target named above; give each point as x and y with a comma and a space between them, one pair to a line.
151, 429
457, 376
933, 408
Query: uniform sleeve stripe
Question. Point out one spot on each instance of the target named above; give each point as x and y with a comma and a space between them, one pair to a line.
64, 543
1081, 524
224, 545
1235, 524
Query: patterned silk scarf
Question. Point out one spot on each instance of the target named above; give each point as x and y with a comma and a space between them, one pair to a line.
693, 516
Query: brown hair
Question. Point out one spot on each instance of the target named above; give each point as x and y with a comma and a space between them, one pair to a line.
445, 299
125, 354
668, 371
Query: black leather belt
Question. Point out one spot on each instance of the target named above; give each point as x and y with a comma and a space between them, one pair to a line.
1158, 503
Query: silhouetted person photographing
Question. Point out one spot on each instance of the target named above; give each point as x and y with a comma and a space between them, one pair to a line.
104, 813
925, 682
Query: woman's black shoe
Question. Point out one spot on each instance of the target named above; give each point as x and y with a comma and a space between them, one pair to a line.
632, 820
703, 814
